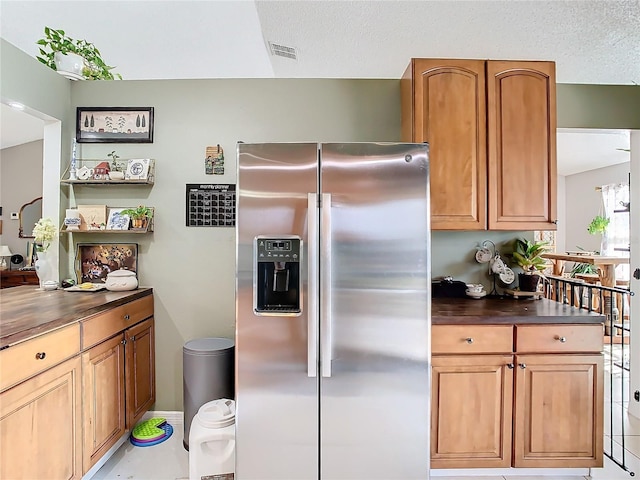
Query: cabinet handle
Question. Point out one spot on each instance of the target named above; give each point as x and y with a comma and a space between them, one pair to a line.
126, 317
561, 339
510, 366
469, 340
522, 365
40, 355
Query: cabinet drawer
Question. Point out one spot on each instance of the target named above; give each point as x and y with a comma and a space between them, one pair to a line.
25, 359
105, 325
559, 338
471, 339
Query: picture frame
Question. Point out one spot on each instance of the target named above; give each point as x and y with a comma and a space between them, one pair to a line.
138, 169
114, 124
93, 217
95, 260
116, 220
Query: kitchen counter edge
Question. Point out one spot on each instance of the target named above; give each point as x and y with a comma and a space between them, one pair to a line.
27, 312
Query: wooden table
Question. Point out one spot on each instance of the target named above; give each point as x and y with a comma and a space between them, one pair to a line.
606, 265
14, 278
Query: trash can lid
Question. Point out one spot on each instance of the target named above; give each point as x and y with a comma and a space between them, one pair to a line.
217, 413
208, 345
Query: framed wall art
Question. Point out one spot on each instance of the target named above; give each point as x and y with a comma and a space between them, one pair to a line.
114, 124
95, 260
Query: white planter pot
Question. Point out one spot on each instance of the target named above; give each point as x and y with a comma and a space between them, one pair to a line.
69, 63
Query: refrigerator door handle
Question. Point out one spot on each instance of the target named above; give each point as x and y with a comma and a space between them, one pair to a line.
325, 279
312, 310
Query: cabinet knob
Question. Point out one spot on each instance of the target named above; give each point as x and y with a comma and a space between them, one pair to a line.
522, 365
469, 340
561, 339
126, 317
40, 355
510, 366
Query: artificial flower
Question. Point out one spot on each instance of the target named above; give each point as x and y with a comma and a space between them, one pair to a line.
44, 232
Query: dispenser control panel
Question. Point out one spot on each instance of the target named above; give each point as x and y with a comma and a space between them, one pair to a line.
278, 249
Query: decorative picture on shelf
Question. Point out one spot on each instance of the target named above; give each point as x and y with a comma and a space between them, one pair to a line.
138, 169
117, 220
94, 261
93, 217
114, 124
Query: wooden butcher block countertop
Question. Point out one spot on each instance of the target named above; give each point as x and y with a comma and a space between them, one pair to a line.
26, 311
507, 311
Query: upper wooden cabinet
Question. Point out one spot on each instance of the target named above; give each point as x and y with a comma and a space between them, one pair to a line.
491, 129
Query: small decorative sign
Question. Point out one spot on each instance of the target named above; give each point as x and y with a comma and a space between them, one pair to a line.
214, 161
210, 205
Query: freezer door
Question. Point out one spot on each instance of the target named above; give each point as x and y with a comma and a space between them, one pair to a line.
277, 398
374, 312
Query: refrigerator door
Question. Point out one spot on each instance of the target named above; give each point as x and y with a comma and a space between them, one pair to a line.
276, 381
374, 312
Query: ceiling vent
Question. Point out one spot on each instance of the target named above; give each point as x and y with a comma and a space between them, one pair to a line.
283, 51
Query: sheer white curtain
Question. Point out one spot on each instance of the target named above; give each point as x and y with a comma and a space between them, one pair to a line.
615, 240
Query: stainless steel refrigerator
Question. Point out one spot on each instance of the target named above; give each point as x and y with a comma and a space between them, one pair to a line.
333, 311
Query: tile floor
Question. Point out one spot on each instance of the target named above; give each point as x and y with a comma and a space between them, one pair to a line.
170, 461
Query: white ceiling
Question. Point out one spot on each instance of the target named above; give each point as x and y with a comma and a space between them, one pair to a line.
591, 41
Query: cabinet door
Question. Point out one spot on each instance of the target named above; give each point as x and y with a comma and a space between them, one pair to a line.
140, 370
521, 114
471, 401
40, 425
104, 421
558, 411
449, 112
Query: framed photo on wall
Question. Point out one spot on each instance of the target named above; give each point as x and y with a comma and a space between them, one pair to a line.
95, 260
114, 124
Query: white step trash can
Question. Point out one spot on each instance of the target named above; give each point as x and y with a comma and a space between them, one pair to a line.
212, 440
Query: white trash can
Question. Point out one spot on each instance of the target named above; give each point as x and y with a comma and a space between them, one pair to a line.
212, 440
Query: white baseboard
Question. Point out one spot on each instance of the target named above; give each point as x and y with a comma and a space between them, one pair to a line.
172, 417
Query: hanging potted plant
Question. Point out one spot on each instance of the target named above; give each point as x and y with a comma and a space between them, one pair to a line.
598, 225
528, 256
75, 59
139, 216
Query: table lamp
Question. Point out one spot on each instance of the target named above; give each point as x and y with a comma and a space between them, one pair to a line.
4, 252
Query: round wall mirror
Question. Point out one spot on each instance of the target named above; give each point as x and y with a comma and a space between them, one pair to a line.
30, 213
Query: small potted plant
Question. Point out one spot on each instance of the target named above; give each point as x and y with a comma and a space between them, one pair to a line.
139, 216
76, 57
528, 256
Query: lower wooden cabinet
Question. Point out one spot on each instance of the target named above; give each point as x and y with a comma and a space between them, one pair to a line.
520, 410
119, 387
140, 370
104, 396
471, 399
558, 411
41, 425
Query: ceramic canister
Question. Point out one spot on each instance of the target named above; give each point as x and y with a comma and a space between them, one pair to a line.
120, 280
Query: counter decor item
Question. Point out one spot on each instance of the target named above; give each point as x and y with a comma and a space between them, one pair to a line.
44, 232
121, 280
140, 216
528, 256
94, 261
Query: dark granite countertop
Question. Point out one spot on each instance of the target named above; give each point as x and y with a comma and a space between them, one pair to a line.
507, 311
26, 311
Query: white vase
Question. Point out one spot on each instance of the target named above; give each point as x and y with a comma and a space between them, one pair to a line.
44, 269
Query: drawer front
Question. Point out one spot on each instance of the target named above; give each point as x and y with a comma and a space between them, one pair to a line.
23, 360
105, 325
559, 338
471, 339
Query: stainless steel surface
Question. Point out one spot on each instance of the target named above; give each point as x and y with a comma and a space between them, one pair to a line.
277, 403
370, 418
312, 262
374, 410
326, 348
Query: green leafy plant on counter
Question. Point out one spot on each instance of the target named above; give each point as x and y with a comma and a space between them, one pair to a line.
54, 41
528, 256
598, 225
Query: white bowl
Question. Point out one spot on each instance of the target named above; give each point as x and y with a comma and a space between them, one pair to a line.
476, 295
116, 175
